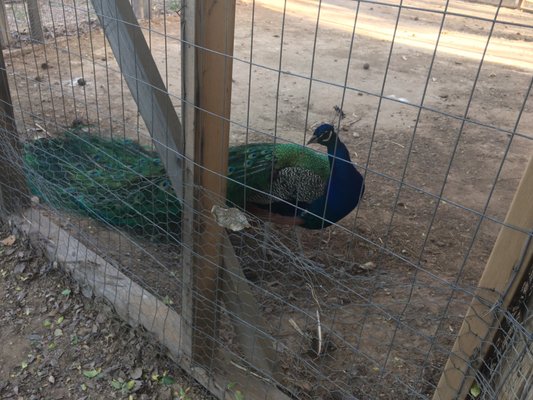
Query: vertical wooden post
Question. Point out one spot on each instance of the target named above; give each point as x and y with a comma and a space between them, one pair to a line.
36, 27
13, 190
504, 271
188, 114
215, 22
258, 349
4, 26
141, 8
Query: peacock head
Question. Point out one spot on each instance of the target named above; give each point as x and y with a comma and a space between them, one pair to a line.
324, 135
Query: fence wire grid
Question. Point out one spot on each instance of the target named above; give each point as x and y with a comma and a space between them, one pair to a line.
438, 118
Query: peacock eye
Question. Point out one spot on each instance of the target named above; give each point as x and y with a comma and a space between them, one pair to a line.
231, 170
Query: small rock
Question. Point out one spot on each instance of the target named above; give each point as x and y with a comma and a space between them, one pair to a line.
136, 373
368, 266
35, 338
19, 268
51, 379
86, 291
9, 241
356, 135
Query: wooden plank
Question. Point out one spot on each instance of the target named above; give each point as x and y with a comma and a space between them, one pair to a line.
5, 34
136, 305
526, 5
214, 30
13, 189
188, 90
513, 375
257, 347
504, 271
34, 15
145, 83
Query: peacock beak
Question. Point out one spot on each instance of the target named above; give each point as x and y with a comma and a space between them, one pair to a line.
313, 139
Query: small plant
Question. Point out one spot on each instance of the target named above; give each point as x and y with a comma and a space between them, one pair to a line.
237, 394
122, 385
164, 379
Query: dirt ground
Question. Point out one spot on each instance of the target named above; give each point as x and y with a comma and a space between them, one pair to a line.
58, 343
427, 238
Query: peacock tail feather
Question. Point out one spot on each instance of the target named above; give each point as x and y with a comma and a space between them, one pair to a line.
116, 181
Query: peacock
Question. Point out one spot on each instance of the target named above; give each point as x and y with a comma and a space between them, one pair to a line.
122, 183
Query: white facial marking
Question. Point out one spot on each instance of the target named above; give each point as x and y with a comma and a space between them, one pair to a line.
329, 136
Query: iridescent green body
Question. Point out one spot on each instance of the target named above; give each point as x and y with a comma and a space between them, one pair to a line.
124, 184
263, 173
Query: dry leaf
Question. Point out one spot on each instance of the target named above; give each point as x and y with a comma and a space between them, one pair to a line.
9, 241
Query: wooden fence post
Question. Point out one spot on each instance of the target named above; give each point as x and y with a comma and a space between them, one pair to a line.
34, 15
206, 92
214, 29
13, 190
503, 273
4, 26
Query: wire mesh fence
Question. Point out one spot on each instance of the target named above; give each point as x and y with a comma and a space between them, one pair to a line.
437, 106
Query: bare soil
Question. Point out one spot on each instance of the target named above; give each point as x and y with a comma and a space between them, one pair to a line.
59, 343
439, 178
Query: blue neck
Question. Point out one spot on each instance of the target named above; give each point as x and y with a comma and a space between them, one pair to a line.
343, 190
337, 151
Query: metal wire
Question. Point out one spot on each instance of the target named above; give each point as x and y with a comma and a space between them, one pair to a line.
367, 308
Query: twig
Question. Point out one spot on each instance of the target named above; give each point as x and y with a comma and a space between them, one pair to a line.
42, 129
248, 370
319, 325
397, 144
319, 332
296, 327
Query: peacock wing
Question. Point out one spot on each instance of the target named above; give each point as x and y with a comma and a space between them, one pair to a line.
268, 171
